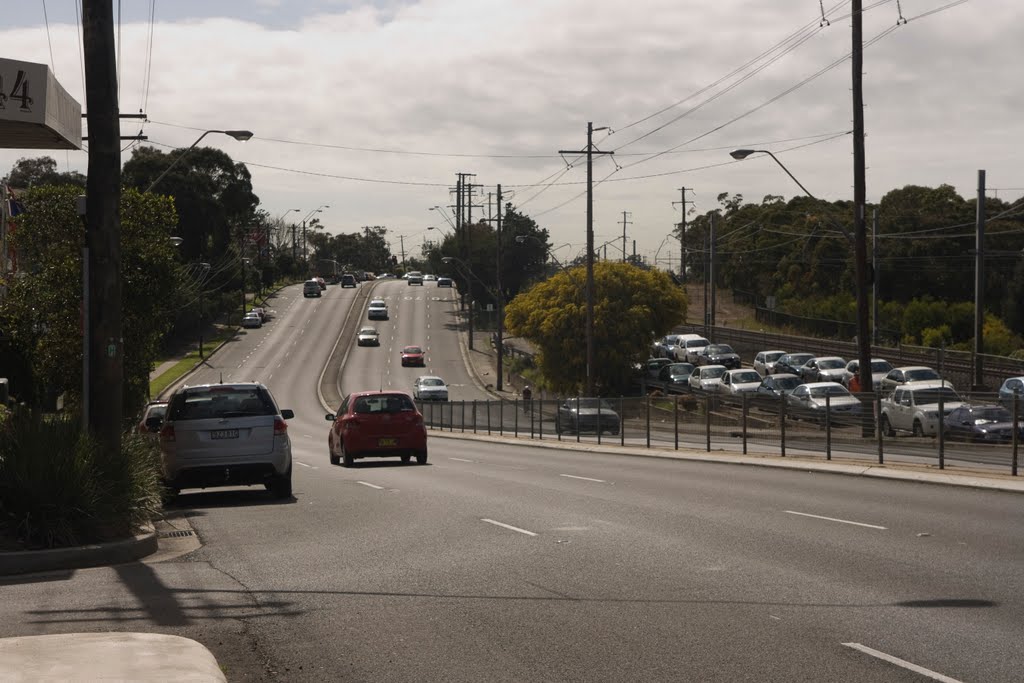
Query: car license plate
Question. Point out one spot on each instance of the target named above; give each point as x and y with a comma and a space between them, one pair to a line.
224, 434
384, 443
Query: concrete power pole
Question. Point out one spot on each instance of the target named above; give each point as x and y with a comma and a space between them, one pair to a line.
859, 201
105, 381
624, 222
979, 286
500, 346
682, 232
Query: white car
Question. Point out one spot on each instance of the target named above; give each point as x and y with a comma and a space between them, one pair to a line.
377, 310
909, 375
764, 361
740, 381
252, 319
914, 408
707, 378
430, 388
429, 277
689, 347
368, 337
414, 277
879, 369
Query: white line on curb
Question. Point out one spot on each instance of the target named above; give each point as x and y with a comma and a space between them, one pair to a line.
509, 527
372, 486
833, 519
573, 476
902, 662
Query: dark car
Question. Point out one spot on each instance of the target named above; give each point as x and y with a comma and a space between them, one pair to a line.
791, 363
587, 415
377, 424
654, 366
779, 384
677, 374
348, 280
719, 354
444, 281
988, 423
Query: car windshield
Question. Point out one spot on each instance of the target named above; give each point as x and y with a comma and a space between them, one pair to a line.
367, 330
989, 415
590, 403
929, 396
384, 403
694, 343
712, 373
923, 374
787, 383
880, 366
774, 356
432, 382
720, 348
798, 359
680, 369
833, 364
220, 401
412, 349
746, 376
830, 390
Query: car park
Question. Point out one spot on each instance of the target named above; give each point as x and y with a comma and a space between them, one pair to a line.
413, 355
908, 375
377, 310
577, 415
764, 361
152, 418
879, 369
690, 347
377, 424
444, 281
739, 381
778, 384
914, 408
823, 369
430, 388
414, 277
348, 280
367, 336
791, 363
676, 374
311, 288
707, 378
719, 354
1011, 386
226, 435
252, 319
816, 400
982, 423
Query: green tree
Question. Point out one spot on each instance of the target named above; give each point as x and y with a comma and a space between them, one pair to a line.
632, 306
41, 171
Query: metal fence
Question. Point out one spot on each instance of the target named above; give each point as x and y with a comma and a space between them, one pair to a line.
747, 424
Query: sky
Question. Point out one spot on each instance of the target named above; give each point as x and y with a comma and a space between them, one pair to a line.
370, 109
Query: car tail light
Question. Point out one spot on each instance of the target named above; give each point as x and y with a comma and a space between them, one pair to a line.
167, 433
280, 426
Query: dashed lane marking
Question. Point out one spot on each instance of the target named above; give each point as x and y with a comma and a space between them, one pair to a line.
833, 519
928, 673
509, 527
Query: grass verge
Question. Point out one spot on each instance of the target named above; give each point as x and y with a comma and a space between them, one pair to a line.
183, 366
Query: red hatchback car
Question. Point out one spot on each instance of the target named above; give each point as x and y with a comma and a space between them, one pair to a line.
377, 424
414, 355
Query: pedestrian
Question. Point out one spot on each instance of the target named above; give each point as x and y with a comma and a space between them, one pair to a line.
854, 384
527, 398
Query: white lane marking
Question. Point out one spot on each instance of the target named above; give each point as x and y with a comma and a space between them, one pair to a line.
833, 519
573, 476
271, 377
509, 527
935, 676
462, 460
372, 486
305, 465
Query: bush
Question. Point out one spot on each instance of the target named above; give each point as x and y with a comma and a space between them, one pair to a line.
59, 488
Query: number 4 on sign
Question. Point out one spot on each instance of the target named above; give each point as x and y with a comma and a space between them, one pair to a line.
18, 92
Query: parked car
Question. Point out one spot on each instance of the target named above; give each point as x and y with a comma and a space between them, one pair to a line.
908, 374
719, 354
813, 401
914, 407
413, 355
779, 384
430, 388
764, 361
707, 378
653, 366
791, 363
252, 320
414, 277
152, 418
261, 312
740, 381
1007, 390
226, 435
311, 288
986, 423
879, 369
348, 280
690, 347
377, 424
367, 336
377, 310
676, 374
823, 369
587, 415
444, 281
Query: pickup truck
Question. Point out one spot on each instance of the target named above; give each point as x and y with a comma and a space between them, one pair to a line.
915, 408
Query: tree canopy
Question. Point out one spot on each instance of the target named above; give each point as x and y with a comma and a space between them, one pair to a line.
632, 306
38, 171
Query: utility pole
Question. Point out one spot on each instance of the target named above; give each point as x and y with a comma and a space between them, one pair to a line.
711, 272
682, 232
859, 201
590, 152
500, 345
401, 240
624, 214
874, 276
979, 285
104, 385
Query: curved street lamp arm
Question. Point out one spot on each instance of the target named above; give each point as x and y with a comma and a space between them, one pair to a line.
178, 159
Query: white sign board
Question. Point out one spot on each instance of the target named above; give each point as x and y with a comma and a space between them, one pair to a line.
36, 112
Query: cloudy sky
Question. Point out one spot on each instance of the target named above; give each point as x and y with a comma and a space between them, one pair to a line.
373, 108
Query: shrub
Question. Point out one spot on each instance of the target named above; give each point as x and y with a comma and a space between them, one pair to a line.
59, 488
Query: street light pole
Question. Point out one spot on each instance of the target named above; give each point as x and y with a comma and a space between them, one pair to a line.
242, 135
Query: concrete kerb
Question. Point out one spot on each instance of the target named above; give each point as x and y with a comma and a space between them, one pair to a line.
329, 365
93, 555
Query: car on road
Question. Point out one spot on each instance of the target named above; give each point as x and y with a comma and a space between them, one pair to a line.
367, 336
739, 381
816, 400
349, 280
823, 369
879, 369
252, 319
429, 277
1011, 386
653, 366
377, 424
764, 361
791, 363
227, 434
778, 384
908, 375
914, 408
152, 418
689, 348
982, 423
377, 310
429, 388
707, 378
666, 346
676, 374
444, 281
719, 354
414, 277
311, 288
578, 415
414, 355
321, 282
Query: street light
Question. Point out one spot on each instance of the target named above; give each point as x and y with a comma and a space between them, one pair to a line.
443, 214
305, 255
441, 230
241, 135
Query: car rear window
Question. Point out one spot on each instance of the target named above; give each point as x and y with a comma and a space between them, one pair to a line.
203, 403
389, 403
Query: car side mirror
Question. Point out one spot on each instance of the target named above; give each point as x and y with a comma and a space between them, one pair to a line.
287, 414
329, 417
153, 423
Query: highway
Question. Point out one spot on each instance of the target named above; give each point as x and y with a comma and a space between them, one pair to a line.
508, 562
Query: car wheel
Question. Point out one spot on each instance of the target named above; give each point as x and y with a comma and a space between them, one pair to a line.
887, 427
281, 486
169, 494
421, 457
334, 459
918, 428
615, 432
406, 458
346, 457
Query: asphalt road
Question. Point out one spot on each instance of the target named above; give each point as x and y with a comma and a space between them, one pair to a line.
513, 563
